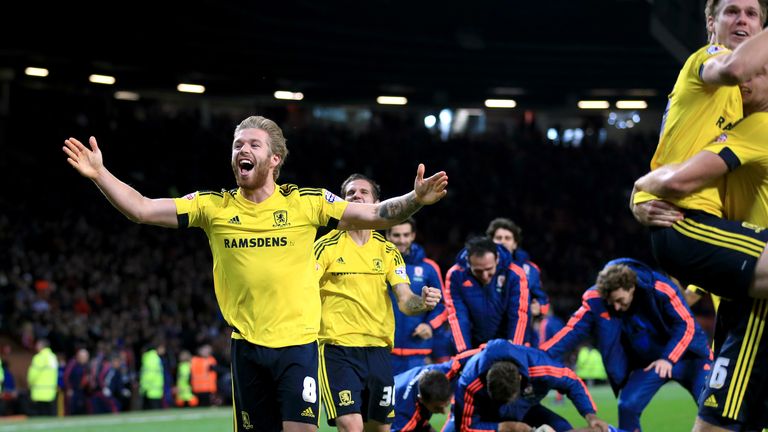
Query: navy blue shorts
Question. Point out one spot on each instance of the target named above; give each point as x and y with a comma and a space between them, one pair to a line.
736, 395
272, 385
357, 380
710, 252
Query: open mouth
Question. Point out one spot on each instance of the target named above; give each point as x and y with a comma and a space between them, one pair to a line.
741, 33
245, 166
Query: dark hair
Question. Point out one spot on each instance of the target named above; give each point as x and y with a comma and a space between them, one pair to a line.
375, 188
479, 246
434, 386
508, 225
614, 277
410, 221
503, 381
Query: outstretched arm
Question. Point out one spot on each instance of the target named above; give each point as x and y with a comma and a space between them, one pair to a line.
741, 65
677, 181
89, 163
395, 210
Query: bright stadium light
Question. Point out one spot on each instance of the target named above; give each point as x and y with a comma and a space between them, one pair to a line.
430, 121
391, 100
35, 71
190, 88
500, 103
631, 104
287, 95
567, 135
101, 79
126, 95
552, 134
593, 104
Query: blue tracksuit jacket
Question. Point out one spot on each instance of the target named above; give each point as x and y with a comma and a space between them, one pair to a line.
410, 414
422, 272
658, 320
477, 314
475, 410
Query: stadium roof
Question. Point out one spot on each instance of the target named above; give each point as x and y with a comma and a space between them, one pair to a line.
545, 52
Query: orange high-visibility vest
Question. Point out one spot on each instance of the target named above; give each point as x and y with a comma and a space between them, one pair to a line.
203, 378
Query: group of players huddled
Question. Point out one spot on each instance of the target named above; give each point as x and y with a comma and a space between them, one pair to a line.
508, 352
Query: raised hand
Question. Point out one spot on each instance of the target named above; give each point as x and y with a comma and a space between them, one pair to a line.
87, 161
430, 297
432, 189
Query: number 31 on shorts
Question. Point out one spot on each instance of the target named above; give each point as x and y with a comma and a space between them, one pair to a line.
389, 396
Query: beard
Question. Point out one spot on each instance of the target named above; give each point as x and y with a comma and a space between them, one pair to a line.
255, 179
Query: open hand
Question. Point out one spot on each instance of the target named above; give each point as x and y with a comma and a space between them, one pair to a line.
432, 189
87, 161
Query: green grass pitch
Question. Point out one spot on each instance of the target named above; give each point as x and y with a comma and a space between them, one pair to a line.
672, 410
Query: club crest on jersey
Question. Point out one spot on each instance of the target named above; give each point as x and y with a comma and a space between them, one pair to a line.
281, 218
528, 391
345, 398
722, 138
331, 197
378, 265
418, 271
500, 281
246, 420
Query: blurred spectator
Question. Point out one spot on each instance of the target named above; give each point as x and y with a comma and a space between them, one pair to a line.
204, 378
589, 366
116, 384
152, 377
42, 378
183, 391
77, 385
9, 393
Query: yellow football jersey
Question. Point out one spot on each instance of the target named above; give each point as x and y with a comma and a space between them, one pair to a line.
696, 113
744, 150
263, 268
357, 308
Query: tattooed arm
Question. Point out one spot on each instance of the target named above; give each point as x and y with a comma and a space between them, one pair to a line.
395, 210
411, 304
